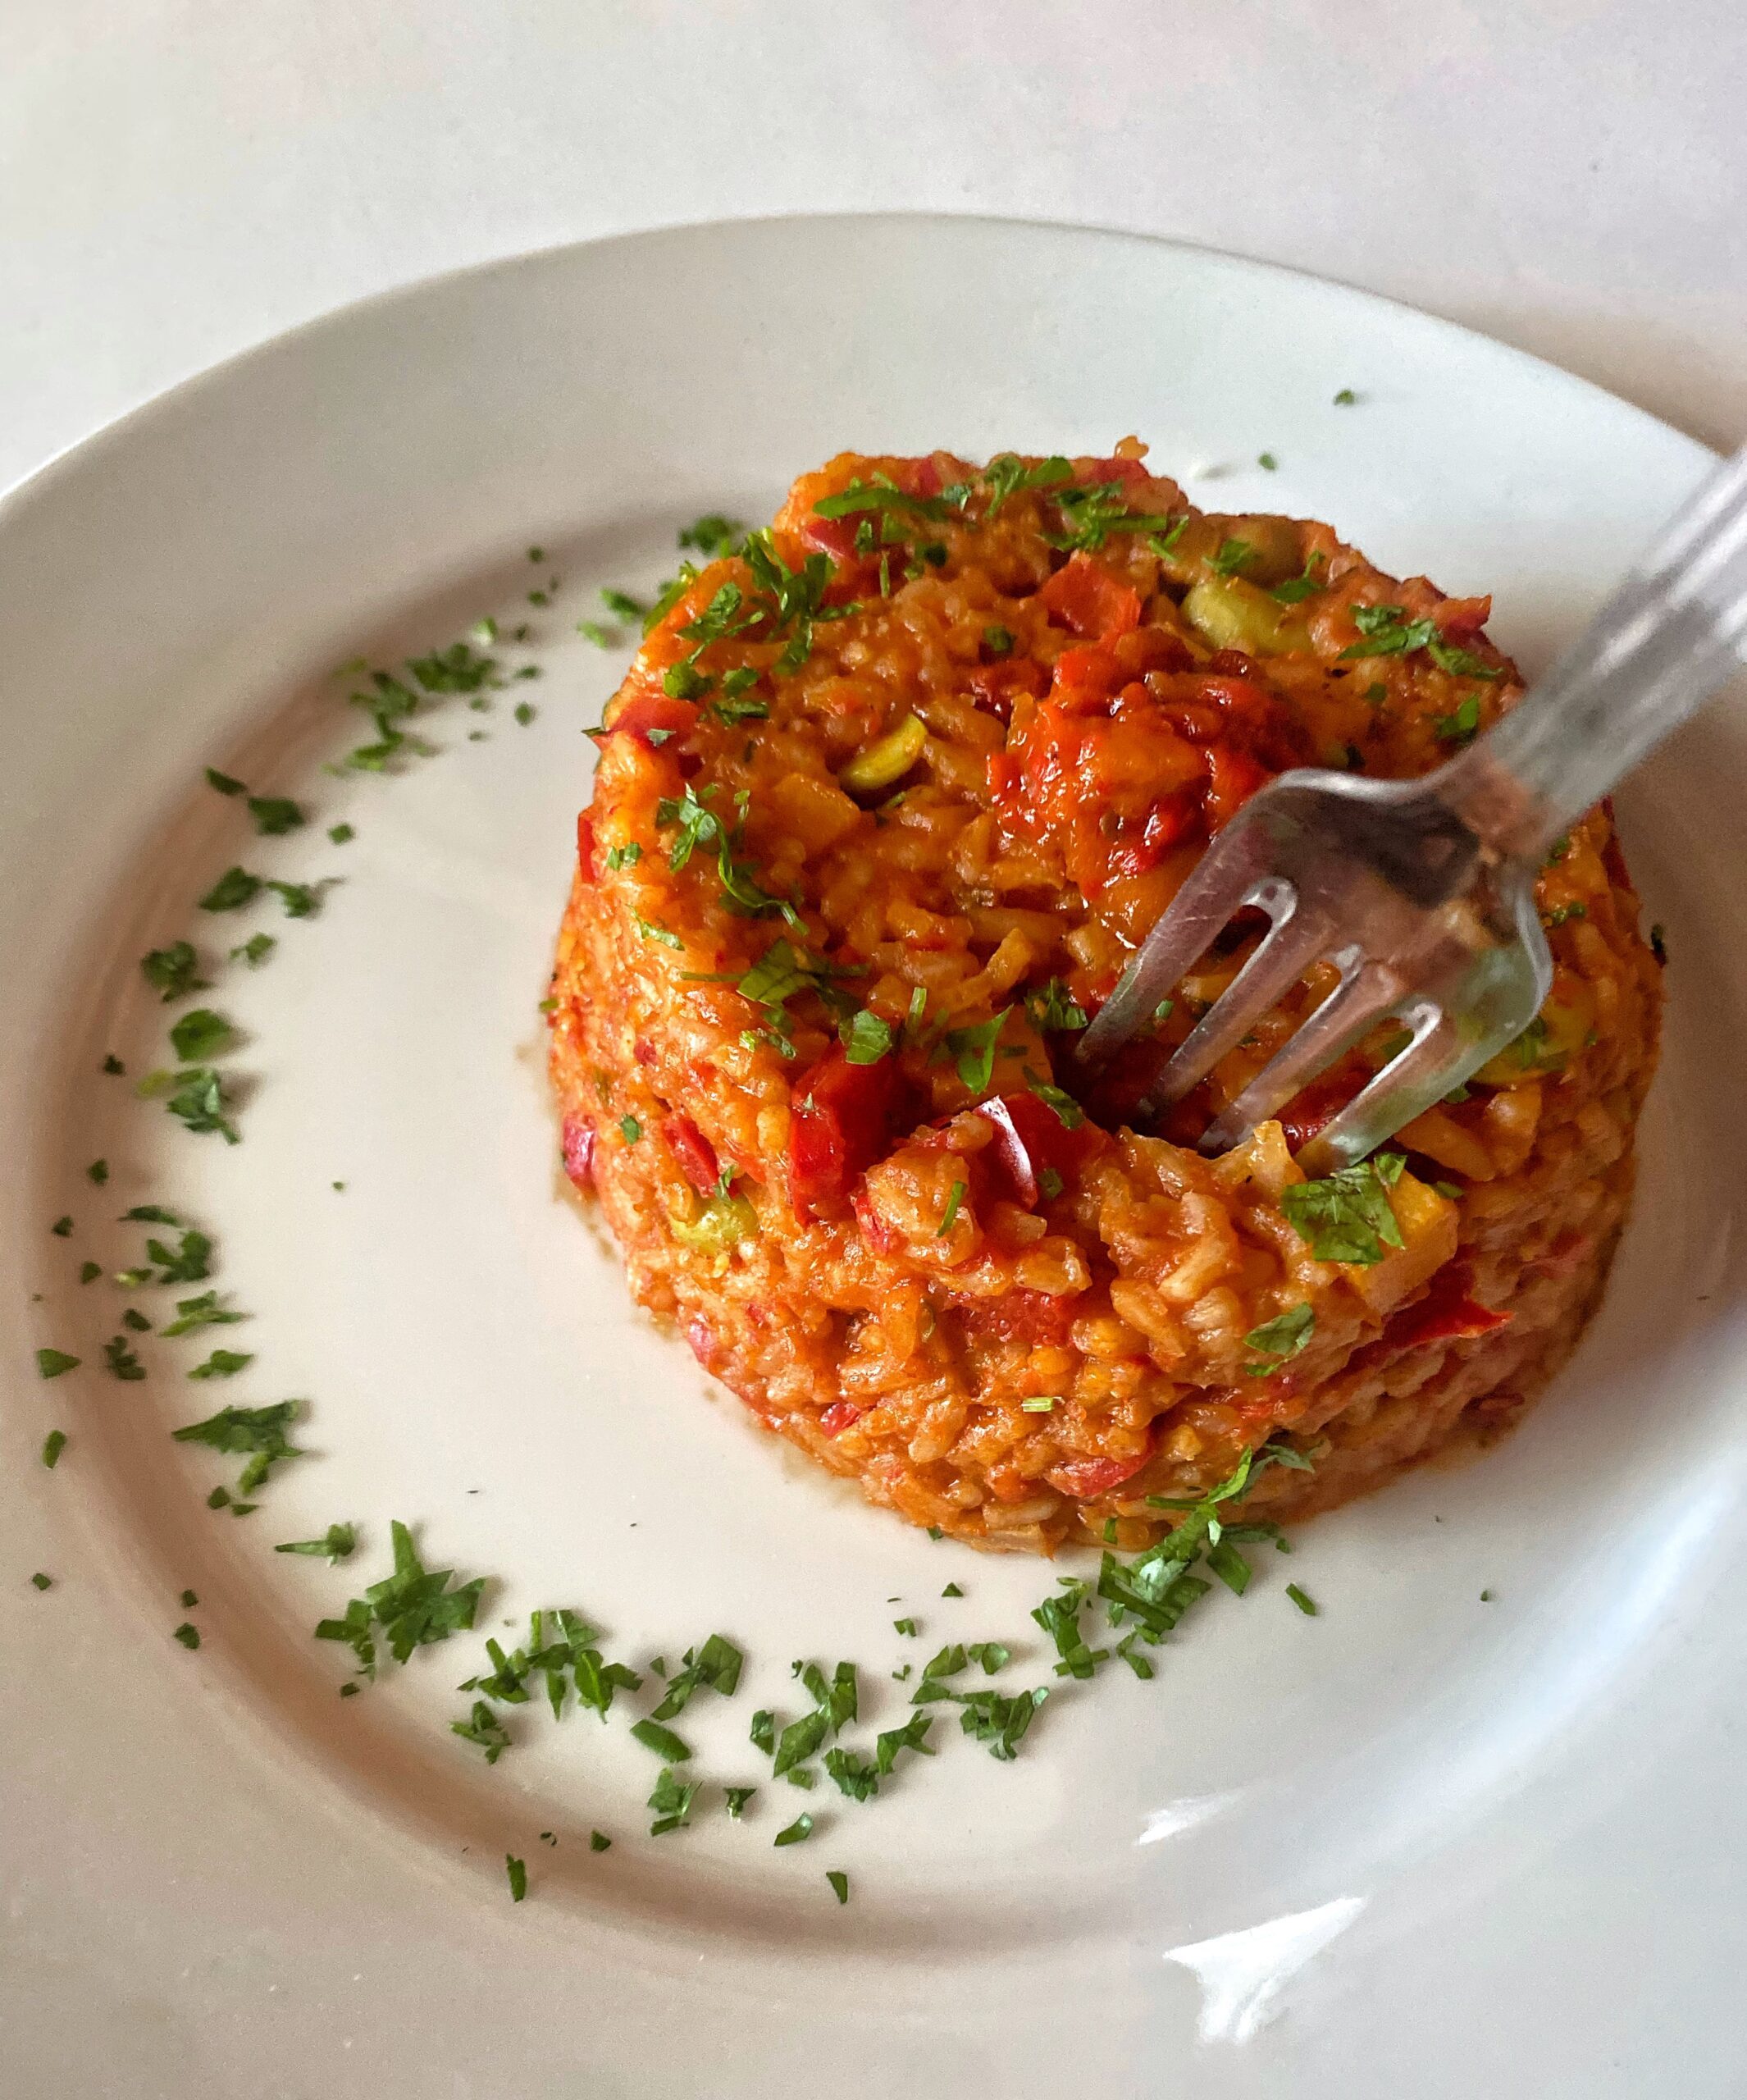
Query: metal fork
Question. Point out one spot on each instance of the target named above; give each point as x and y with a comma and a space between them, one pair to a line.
1420, 893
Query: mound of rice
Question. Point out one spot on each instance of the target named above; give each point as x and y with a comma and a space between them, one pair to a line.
883, 806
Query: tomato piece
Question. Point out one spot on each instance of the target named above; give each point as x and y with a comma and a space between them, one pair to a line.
1233, 776
1030, 1139
1446, 1313
1086, 677
1087, 599
1462, 617
694, 1151
996, 685
586, 845
1167, 824
644, 713
1085, 1479
1129, 471
579, 1152
839, 1417
841, 1123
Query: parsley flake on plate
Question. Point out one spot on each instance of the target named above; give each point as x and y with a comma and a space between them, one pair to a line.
62, 1228
202, 1311
599, 1841
516, 1870
235, 888
255, 950
672, 1802
173, 972
1305, 1604
222, 1363
839, 1883
796, 1832
412, 1608
55, 1363
224, 782
670, 1748
53, 1445
274, 814
336, 1544
41, 1581
259, 1432
189, 1636
120, 1362
483, 1727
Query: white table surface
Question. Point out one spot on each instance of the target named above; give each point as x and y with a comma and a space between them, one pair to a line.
179, 180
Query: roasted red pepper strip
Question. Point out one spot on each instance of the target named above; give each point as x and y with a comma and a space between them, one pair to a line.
644, 713
841, 1123
579, 1151
1029, 1138
694, 1151
1446, 1313
1087, 1478
1087, 600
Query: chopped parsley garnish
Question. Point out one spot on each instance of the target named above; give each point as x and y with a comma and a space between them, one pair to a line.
866, 1037
1062, 1105
222, 1363
629, 1128
53, 1445
412, 1608
953, 1590
259, 1432
41, 1581
120, 1362
1305, 1604
623, 856
455, 669
172, 972
651, 932
55, 1362
599, 1842
235, 888
734, 1800
136, 1321
300, 900
1280, 1338
593, 631
697, 824
949, 1218
670, 1748
1232, 558
336, 1544
1266, 461
717, 1665
484, 1727
97, 1172
839, 1883
224, 782
973, 1049
1007, 474
149, 1214
1460, 726
1460, 663
524, 712
1051, 1183
913, 1735
671, 1803
1296, 589
800, 1829
1658, 943
1346, 398
1052, 1006
1564, 912
999, 641
90, 1272
516, 1870
197, 1097
62, 1228
622, 604
712, 535
202, 1311
1385, 631
1058, 1617
274, 814
907, 1626
853, 1777
199, 1034
112, 1065
189, 1636
998, 1721
1039, 1404
1346, 1216
1090, 515
341, 834
255, 950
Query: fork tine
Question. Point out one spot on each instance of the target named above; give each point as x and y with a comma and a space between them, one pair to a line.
1293, 941
1410, 1083
1365, 994
1228, 877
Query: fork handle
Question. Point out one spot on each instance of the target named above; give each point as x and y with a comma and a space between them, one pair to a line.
1658, 649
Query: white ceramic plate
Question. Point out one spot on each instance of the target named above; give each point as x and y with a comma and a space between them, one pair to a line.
1421, 1844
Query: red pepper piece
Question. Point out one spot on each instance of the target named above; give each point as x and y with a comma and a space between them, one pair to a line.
579, 1152
586, 845
1020, 1316
1446, 1313
1087, 599
839, 1417
1086, 1479
694, 1151
644, 712
1233, 776
1030, 1137
1322, 1100
841, 1124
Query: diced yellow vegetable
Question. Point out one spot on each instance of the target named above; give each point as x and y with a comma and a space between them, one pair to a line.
1557, 1033
1233, 614
887, 760
723, 1222
1428, 1231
